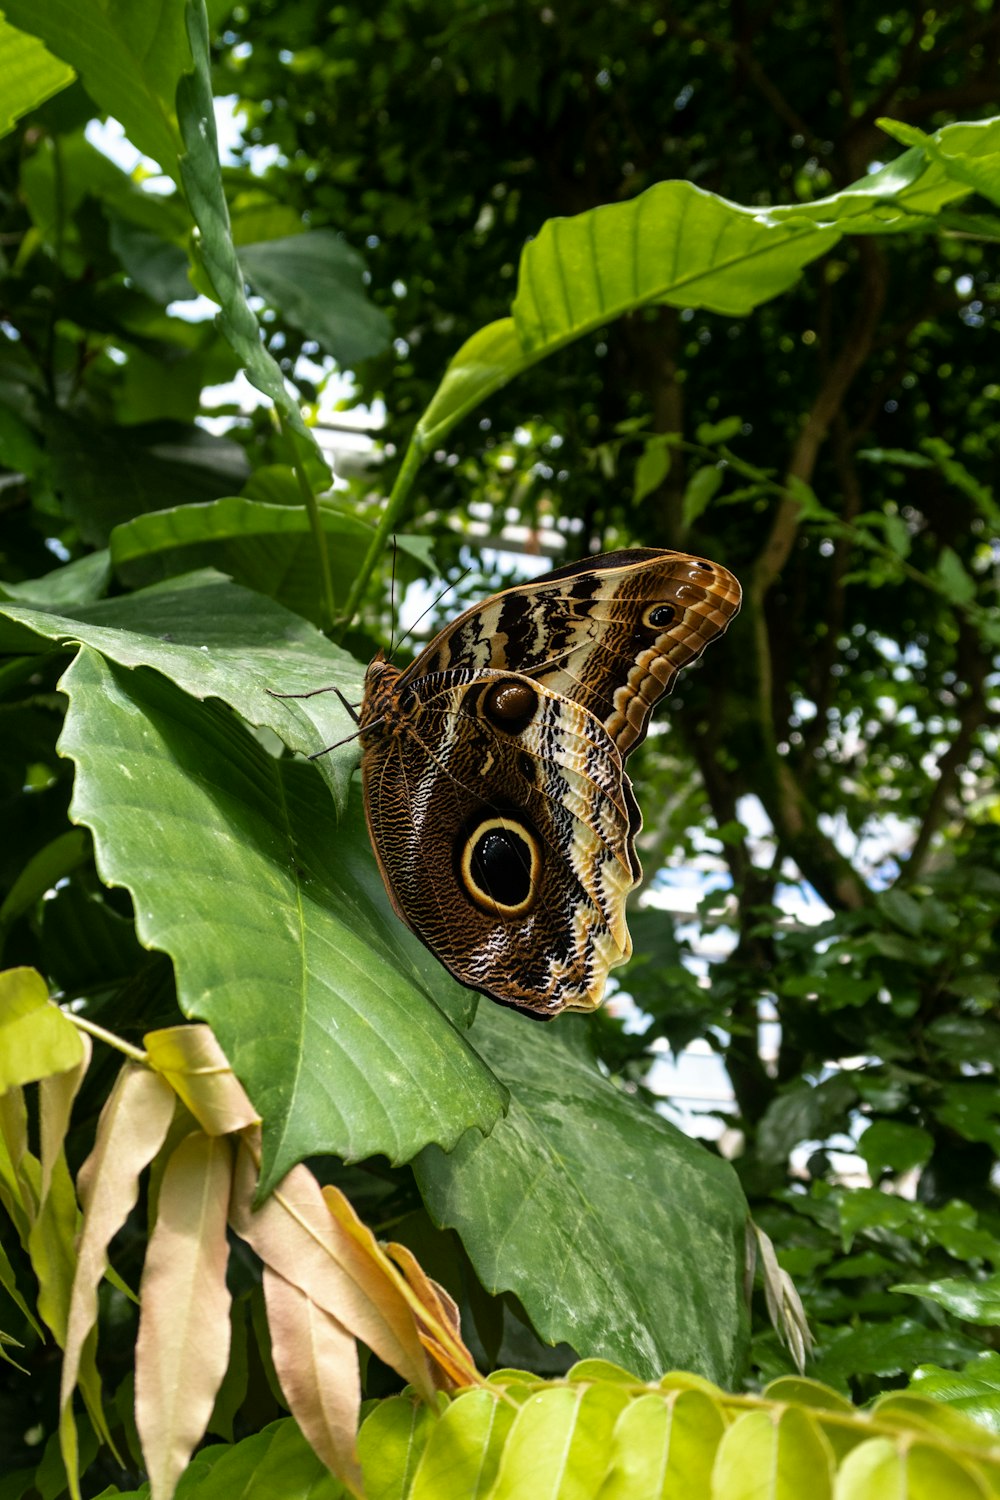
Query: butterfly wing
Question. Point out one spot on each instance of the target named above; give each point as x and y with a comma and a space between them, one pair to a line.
610, 632
493, 766
504, 826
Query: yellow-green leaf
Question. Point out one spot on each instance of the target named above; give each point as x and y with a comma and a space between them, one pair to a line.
197, 1069
36, 1039
463, 1450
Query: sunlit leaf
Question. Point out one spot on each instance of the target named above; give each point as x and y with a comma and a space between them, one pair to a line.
195, 1066
664, 1445
558, 1439
774, 1457
222, 520
30, 74
463, 1448
129, 57
36, 1039
390, 1443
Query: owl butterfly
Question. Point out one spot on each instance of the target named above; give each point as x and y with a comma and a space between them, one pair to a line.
493, 767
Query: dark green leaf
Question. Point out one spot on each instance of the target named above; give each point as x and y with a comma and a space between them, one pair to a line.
312, 988
216, 640
202, 180
645, 1226
898, 1147
315, 281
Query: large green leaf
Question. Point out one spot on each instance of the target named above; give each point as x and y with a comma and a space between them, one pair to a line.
966, 155
677, 244
618, 1233
972, 1301
316, 282
974, 1390
277, 923
216, 640
911, 190
30, 74
266, 546
129, 57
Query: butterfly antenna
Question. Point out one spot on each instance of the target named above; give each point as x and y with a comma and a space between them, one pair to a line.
392, 600
433, 605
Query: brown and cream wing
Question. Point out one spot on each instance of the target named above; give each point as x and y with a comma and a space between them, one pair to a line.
504, 827
611, 632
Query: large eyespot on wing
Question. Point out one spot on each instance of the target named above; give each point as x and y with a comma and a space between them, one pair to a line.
504, 830
498, 862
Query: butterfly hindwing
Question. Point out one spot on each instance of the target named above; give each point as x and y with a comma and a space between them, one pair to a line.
513, 859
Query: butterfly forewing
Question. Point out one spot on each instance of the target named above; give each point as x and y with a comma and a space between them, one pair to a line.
611, 632
502, 817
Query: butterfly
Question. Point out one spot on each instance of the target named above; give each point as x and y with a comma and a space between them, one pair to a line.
493, 769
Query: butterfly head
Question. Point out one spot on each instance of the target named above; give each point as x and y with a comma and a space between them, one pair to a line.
382, 702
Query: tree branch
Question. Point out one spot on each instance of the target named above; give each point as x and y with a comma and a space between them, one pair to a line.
972, 664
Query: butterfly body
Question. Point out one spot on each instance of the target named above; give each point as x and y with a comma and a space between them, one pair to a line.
499, 808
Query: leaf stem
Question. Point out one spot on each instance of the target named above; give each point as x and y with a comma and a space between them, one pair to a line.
412, 460
315, 519
126, 1048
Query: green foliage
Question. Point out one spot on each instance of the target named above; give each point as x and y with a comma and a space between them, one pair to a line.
600, 1433
716, 225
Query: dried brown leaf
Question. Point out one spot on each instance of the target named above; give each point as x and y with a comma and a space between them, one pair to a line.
130, 1131
183, 1345
316, 1360
197, 1069
294, 1233
441, 1329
